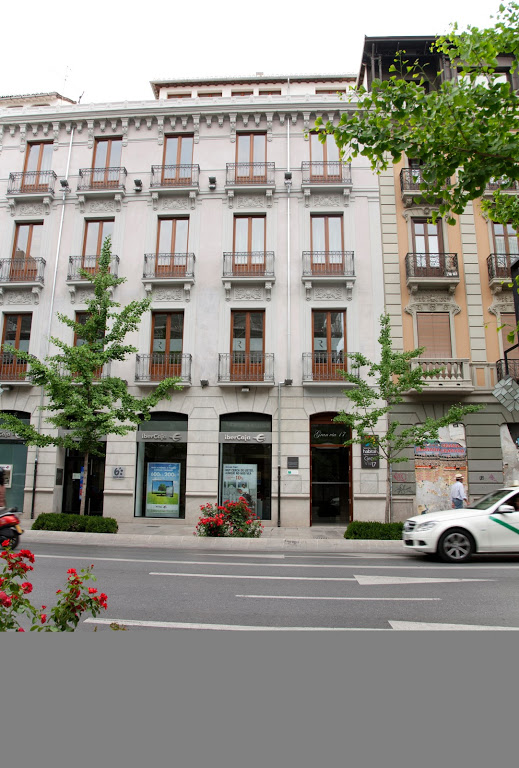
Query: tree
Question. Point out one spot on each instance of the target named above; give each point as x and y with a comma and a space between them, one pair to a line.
375, 396
464, 131
85, 405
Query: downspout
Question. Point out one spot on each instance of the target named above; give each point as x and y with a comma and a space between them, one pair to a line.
65, 189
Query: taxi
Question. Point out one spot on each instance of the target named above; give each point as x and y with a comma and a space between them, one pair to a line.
490, 525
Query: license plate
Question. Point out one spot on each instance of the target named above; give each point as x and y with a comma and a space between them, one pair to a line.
18, 529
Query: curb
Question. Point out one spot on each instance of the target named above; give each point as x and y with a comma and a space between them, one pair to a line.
192, 542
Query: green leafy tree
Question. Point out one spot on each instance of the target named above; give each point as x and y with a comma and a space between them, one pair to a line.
81, 400
464, 130
374, 396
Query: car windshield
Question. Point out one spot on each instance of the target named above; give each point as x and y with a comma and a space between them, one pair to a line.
491, 499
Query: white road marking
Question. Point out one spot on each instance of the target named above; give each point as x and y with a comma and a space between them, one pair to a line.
381, 580
239, 576
300, 597
228, 627
413, 625
422, 567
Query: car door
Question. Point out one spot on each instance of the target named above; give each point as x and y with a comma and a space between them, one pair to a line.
504, 526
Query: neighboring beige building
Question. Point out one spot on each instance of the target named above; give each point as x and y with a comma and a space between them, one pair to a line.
262, 255
447, 288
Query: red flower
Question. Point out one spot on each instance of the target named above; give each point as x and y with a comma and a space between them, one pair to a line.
20, 629
6, 543
72, 570
43, 618
43, 607
27, 554
5, 600
92, 591
26, 587
58, 591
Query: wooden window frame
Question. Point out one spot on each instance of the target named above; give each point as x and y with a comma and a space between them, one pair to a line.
427, 262
242, 93
326, 363
249, 267
9, 362
36, 185
427, 222
29, 269
243, 365
169, 367
251, 176
100, 240
179, 177
105, 181
174, 263
273, 92
327, 265
325, 174
507, 236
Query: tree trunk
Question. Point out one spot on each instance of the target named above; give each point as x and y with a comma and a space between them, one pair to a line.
387, 513
85, 483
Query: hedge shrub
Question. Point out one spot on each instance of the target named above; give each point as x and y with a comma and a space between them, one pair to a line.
54, 521
370, 529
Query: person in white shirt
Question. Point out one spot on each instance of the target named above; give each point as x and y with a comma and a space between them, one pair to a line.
458, 495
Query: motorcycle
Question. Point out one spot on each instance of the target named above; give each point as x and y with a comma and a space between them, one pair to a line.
10, 528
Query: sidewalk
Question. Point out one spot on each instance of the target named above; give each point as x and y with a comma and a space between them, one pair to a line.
314, 539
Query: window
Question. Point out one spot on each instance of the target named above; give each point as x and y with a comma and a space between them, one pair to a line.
427, 243
107, 162
509, 323
185, 95
251, 154
247, 345
16, 333
96, 231
27, 248
38, 160
434, 333
209, 94
506, 239
275, 92
178, 158
166, 344
329, 91
242, 93
81, 318
327, 244
325, 163
172, 241
329, 343
249, 244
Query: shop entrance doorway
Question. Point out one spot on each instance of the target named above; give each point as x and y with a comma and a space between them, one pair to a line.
95, 484
330, 476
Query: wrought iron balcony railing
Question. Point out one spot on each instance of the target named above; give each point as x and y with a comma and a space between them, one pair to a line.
507, 368
499, 266
101, 178
333, 172
503, 184
159, 366
324, 366
31, 182
454, 372
12, 369
175, 175
89, 264
249, 264
410, 179
27, 270
102, 373
164, 266
431, 265
246, 367
250, 173
328, 263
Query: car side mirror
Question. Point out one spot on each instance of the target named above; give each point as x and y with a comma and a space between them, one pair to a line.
506, 508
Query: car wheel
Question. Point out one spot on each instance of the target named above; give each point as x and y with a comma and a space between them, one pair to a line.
456, 546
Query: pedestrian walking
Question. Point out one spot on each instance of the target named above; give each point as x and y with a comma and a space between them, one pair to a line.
458, 495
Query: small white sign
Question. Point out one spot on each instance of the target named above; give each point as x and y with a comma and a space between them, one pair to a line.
292, 471
118, 473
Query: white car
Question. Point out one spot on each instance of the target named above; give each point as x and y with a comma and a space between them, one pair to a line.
491, 525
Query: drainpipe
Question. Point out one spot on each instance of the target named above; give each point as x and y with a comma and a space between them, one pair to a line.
65, 187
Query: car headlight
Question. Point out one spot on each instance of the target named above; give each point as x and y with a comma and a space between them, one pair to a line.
426, 526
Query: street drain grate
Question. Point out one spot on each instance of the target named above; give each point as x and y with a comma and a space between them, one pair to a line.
153, 526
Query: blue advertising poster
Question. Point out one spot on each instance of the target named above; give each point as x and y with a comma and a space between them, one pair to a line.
163, 490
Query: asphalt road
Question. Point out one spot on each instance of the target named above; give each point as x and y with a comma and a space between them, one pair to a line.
186, 590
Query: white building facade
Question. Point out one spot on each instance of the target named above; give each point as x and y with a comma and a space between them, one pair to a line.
262, 255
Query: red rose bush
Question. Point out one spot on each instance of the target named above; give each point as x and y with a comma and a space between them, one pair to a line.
233, 518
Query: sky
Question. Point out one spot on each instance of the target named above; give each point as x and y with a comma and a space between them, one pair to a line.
110, 51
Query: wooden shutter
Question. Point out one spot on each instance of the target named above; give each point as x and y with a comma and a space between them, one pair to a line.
509, 322
434, 333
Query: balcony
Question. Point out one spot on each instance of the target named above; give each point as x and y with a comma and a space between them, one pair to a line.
22, 273
454, 376
31, 187
168, 180
410, 181
90, 264
499, 271
248, 268
330, 176
324, 368
250, 177
153, 368
13, 370
246, 368
507, 367
101, 183
432, 270
331, 267
502, 185
102, 373
169, 269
